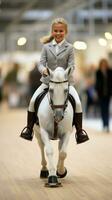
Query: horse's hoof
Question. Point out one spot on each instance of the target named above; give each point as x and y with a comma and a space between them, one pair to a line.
62, 175
53, 182
44, 173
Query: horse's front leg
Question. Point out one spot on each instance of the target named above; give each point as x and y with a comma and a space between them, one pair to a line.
49, 151
52, 179
44, 171
63, 143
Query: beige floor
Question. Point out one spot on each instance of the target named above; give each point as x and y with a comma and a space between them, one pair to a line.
89, 165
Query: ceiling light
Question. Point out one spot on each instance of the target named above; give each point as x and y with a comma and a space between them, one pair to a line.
102, 42
108, 35
21, 41
80, 45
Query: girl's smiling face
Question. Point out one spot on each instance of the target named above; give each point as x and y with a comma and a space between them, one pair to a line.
59, 32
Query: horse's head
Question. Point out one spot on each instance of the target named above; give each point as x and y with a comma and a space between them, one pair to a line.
58, 90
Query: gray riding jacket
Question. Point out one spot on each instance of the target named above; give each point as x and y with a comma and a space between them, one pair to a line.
49, 58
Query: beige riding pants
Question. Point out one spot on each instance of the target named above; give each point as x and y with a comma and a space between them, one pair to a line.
72, 91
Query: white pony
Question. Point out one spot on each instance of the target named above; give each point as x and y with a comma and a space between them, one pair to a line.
55, 116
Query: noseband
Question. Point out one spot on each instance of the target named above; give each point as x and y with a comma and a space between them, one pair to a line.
59, 106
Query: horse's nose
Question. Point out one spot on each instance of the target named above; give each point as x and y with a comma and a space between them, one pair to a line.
58, 115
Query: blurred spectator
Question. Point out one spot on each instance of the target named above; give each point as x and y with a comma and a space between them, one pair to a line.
90, 73
91, 97
91, 101
12, 83
103, 87
1, 86
11, 77
34, 80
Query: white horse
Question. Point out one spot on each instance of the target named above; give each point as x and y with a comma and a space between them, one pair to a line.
55, 116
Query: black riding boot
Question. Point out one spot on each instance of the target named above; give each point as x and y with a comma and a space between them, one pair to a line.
27, 132
81, 135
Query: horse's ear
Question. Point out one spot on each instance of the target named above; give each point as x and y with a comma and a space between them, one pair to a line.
68, 71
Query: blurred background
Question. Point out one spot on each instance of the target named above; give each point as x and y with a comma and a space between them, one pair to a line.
24, 22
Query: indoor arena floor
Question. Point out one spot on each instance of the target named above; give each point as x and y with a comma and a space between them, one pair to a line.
89, 164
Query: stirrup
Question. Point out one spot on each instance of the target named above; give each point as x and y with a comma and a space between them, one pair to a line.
82, 137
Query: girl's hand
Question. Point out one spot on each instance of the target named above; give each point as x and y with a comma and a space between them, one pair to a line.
45, 72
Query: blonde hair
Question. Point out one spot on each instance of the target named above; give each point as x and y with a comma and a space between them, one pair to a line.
49, 38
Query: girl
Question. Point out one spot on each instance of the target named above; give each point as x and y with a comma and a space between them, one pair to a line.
56, 52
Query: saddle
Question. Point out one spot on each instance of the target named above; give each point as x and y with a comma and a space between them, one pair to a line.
42, 95
38, 101
72, 101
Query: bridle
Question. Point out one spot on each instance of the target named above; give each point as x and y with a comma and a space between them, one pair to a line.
63, 106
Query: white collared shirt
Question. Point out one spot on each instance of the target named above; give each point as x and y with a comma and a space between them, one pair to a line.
57, 45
